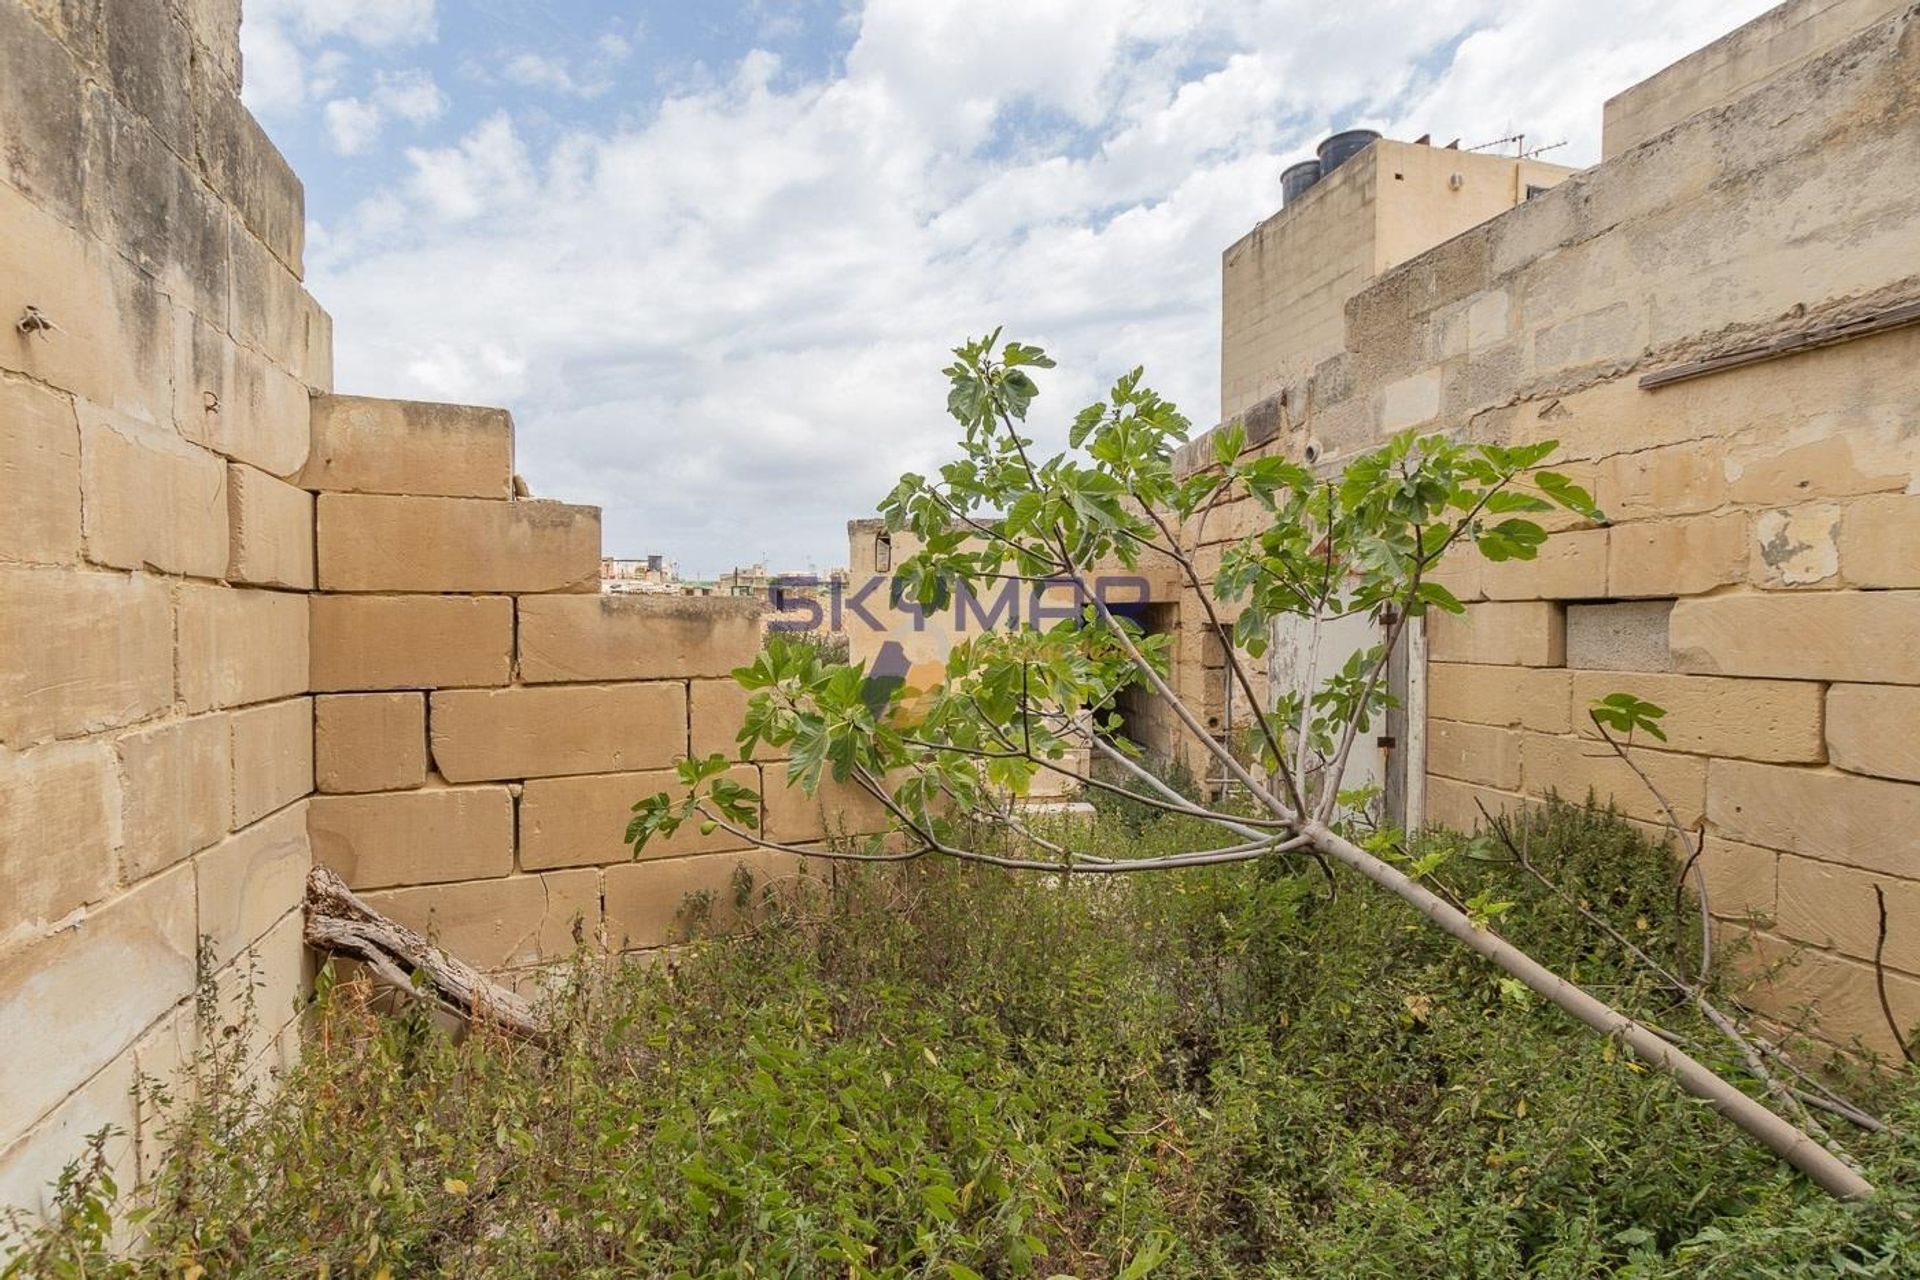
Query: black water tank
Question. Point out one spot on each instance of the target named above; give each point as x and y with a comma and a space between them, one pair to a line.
1296, 178
1342, 147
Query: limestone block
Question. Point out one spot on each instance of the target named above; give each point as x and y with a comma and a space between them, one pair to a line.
660, 902
242, 166
834, 809
582, 821
1474, 753
1828, 456
145, 202
1829, 635
1455, 805
272, 757
717, 709
1777, 720
43, 129
1875, 729
1741, 879
1575, 767
1834, 817
1519, 633
240, 645
1834, 907
480, 735
164, 1055
1677, 557
215, 28
1841, 994
366, 445
1880, 542
248, 881
414, 837
152, 500
1512, 697
411, 642
147, 52
237, 402
267, 311
30, 1166
177, 786
1571, 565
376, 542
1409, 402
271, 528
1683, 479
370, 741
632, 637
66, 1018
59, 823
1630, 636
501, 924
114, 344
1798, 547
272, 974
61, 671
40, 473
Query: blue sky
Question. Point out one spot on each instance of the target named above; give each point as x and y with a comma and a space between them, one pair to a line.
712, 255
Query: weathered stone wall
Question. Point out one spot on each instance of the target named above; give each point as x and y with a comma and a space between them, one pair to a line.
156, 352
1760, 576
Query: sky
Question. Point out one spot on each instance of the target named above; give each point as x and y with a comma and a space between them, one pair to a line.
713, 255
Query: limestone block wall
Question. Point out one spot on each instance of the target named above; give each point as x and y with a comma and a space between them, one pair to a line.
156, 353
485, 718
1760, 576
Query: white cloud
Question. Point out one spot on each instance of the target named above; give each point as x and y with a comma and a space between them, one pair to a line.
284, 63
544, 71
354, 124
725, 323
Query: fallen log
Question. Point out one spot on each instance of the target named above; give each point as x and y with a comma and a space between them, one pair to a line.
339, 922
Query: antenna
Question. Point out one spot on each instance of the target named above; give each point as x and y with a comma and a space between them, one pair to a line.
1551, 146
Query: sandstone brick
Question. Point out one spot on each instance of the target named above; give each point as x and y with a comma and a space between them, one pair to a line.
1474, 753
243, 167
1571, 564
152, 499
1455, 805
1683, 479
1677, 557
1520, 633
1772, 468
1516, 697
114, 346
835, 809
375, 542
1875, 729
716, 710
1625, 636
271, 527
370, 741
582, 821
1741, 879
484, 734
146, 52
30, 1166
148, 204
248, 881
414, 837
42, 114
632, 637
1850, 636
240, 645
1834, 817
1880, 541
40, 473
272, 757
66, 1019
1775, 720
259, 990
1797, 547
239, 403
1460, 572
1833, 907
64, 672
165, 1054
367, 445
1577, 767
660, 902
411, 642
176, 784
59, 822
499, 924
265, 310
1840, 995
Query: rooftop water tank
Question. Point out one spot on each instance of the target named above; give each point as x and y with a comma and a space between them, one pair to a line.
1344, 146
1295, 179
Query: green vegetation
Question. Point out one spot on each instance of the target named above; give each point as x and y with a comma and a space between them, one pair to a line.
943, 1070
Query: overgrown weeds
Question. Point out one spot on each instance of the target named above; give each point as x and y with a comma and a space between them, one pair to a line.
952, 1072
